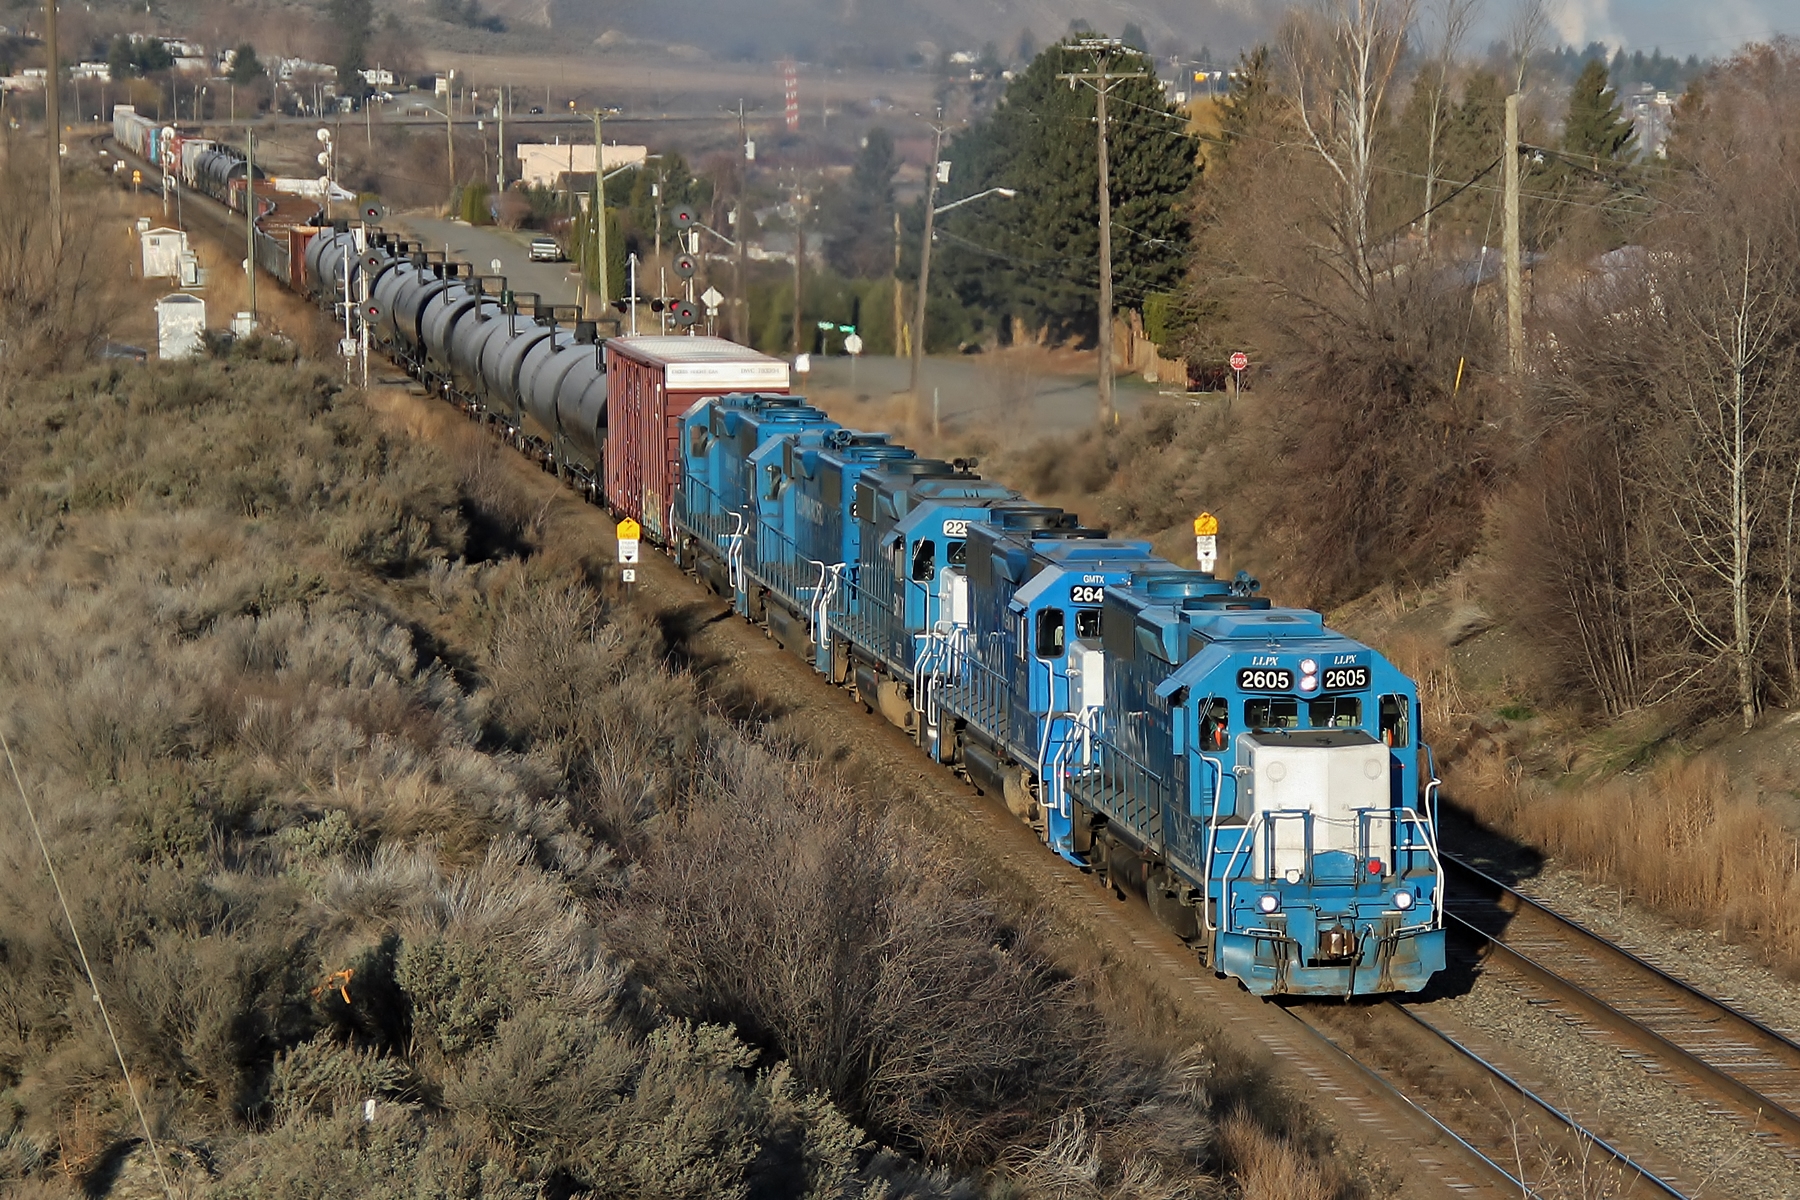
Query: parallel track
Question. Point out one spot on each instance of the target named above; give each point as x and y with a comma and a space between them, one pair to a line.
1740, 1068
1484, 1103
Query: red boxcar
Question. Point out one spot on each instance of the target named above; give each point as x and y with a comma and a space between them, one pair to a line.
651, 382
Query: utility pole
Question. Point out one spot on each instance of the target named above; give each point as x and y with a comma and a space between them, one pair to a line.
931, 186
899, 318
742, 325
1102, 80
799, 258
250, 216
742, 277
450, 137
53, 127
500, 176
600, 211
1515, 288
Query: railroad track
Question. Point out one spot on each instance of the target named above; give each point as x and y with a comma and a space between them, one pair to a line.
1739, 1068
1461, 1083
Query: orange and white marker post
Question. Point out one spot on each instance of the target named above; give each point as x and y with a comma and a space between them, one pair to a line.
628, 531
1206, 541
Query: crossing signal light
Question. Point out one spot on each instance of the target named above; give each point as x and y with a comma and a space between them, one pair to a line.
657, 305
684, 312
684, 216
685, 266
374, 212
619, 305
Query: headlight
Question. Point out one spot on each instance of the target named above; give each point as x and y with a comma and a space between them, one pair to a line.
1309, 683
1308, 667
1268, 903
1403, 900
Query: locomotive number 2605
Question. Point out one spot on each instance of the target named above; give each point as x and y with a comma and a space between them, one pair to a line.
1265, 679
1346, 679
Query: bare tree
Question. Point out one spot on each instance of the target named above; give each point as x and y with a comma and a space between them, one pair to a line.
1343, 56
1454, 18
1525, 34
1732, 390
1685, 361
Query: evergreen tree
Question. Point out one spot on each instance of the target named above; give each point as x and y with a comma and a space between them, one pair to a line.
1134, 38
858, 218
1596, 126
245, 66
351, 19
1035, 257
1249, 104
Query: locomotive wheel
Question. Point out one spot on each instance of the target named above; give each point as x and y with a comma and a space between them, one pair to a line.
1160, 892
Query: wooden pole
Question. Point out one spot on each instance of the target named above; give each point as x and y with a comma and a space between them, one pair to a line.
799, 258
899, 307
1106, 280
53, 128
250, 216
918, 329
1515, 288
600, 211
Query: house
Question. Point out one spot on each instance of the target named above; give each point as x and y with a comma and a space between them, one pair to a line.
541, 164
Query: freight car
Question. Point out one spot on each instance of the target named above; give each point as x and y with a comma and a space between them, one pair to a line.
1256, 776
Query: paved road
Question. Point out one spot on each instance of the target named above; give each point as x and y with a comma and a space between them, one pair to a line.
482, 245
980, 390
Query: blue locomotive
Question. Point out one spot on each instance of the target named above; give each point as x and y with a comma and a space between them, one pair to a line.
1255, 775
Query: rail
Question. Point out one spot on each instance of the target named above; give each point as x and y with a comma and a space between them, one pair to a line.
1661, 1016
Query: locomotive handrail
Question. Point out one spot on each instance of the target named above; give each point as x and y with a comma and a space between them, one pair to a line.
1218, 766
1248, 839
1411, 816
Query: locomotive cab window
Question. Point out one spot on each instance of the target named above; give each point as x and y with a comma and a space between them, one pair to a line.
1215, 725
956, 553
1087, 624
1050, 633
924, 565
1334, 712
1272, 712
1395, 711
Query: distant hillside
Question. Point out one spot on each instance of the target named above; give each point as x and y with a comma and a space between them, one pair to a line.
888, 31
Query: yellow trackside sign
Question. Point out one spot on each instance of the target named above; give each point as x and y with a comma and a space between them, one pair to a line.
629, 530
1206, 525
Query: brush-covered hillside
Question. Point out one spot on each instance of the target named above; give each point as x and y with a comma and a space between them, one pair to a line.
408, 863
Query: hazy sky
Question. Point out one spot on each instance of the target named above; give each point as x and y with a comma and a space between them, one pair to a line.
1703, 27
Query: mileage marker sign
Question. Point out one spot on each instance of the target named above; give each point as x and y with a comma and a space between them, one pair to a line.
628, 531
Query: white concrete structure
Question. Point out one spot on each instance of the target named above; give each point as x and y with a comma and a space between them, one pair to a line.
541, 164
180, 321
163, 251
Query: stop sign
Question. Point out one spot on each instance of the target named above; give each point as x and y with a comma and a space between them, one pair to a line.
1239, 360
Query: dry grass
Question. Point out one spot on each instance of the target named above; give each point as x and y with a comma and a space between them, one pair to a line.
1269, 1168
1681, 838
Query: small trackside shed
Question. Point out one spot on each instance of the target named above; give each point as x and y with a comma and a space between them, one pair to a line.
651, 382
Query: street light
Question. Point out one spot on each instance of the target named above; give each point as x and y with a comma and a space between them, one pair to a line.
1009, 193
940, 171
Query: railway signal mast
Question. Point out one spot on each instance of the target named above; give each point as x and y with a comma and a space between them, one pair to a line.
1102, 80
